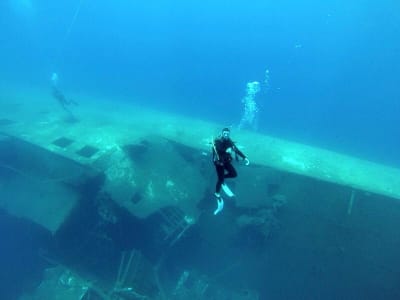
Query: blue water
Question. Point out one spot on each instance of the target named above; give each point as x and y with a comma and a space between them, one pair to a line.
334, 66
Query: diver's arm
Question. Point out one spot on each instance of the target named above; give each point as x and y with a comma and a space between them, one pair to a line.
237, 151
240, 153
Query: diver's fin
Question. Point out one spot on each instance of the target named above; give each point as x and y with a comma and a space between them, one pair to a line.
220, 206
227, 190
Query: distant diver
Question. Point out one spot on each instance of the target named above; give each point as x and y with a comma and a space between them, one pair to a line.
60, 97
222, 148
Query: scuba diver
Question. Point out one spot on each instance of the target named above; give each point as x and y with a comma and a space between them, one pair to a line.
59, 96
223, 147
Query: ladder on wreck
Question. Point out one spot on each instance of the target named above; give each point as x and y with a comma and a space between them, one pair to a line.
174, 224
135, 276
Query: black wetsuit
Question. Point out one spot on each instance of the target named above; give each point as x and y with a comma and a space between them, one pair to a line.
222, 160
57, 94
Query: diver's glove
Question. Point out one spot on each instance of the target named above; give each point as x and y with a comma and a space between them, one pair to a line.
246, 161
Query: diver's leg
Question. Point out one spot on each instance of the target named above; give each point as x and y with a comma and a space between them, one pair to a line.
231, 174
220, 202
231, 171
220, 173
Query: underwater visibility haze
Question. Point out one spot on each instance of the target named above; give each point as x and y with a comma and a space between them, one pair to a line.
320, 73
334, 66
